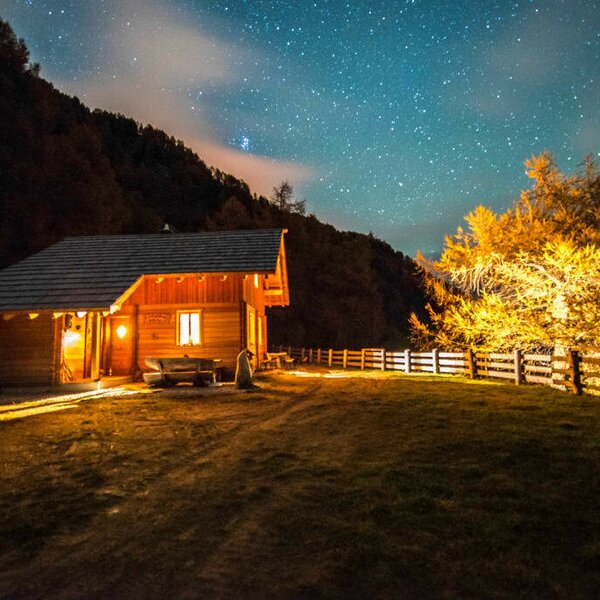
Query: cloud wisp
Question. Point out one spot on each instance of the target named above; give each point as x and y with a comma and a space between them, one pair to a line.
152, 64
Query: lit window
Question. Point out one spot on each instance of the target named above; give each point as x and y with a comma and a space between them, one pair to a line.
189, 329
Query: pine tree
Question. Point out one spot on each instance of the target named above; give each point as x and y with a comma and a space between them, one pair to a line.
283, 198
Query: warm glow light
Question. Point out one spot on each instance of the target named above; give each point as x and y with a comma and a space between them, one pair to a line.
54, 403
34, 315
121, 331
255, 280
71, 338
80, 314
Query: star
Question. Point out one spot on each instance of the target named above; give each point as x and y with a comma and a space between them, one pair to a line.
365, 107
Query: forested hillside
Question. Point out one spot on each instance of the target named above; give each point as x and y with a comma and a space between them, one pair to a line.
66, 170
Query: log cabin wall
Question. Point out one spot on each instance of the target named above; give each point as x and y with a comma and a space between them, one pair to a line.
253, 292
152, 312
28, 350
209, 289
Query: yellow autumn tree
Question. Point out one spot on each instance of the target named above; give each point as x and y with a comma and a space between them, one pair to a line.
529, 277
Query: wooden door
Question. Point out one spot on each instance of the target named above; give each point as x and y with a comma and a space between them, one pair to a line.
120, 355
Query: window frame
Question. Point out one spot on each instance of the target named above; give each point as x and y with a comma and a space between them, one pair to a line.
189, 312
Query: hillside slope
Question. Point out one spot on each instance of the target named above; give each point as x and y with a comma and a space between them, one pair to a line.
67, 170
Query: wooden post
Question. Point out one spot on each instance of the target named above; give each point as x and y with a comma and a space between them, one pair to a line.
310, 356
135, 338
96, 345
383, 359
330, 357
303, 354
435, 358
576, 386
362, 359
471, 365
318, 356
407, 361
345, 358
289, 351
86, 345
256, 357
518, 368
58, 350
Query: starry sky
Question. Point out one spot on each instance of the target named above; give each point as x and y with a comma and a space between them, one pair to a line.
396, 117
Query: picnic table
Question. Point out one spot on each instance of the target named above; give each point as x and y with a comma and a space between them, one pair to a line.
171, 371
278, 360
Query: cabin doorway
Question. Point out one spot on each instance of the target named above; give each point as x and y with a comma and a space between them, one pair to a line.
120, 346
80, 347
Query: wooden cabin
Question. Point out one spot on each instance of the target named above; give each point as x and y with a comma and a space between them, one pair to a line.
94, 307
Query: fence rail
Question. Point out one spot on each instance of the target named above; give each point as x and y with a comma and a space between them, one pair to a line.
574, 371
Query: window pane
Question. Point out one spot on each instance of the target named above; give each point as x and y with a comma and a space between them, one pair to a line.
184, 329
195, 328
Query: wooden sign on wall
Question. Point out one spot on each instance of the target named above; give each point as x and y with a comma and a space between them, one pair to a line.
159, 318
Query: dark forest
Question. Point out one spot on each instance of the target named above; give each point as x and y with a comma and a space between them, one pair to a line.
66, 170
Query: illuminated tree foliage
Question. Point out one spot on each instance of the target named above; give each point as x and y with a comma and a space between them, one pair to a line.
529, 277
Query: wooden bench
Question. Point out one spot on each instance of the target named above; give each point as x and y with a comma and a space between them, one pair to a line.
168, 372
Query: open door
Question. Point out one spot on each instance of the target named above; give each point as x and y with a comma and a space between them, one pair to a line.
80, 359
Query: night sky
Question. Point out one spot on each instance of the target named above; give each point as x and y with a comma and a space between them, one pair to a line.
396, 117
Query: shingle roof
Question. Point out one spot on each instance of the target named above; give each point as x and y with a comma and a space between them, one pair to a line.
93, 271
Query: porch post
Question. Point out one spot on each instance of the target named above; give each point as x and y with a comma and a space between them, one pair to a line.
96, 345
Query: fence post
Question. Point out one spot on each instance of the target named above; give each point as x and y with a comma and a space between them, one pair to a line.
435, 358
318, 356
310, 356
303, 355
518, 368
345, 359
407, 361
471, 364
574, 357
362, 359
330, 357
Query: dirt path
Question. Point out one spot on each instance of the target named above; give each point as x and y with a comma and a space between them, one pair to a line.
183, 493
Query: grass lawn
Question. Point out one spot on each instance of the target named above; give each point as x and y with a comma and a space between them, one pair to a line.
386, 486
